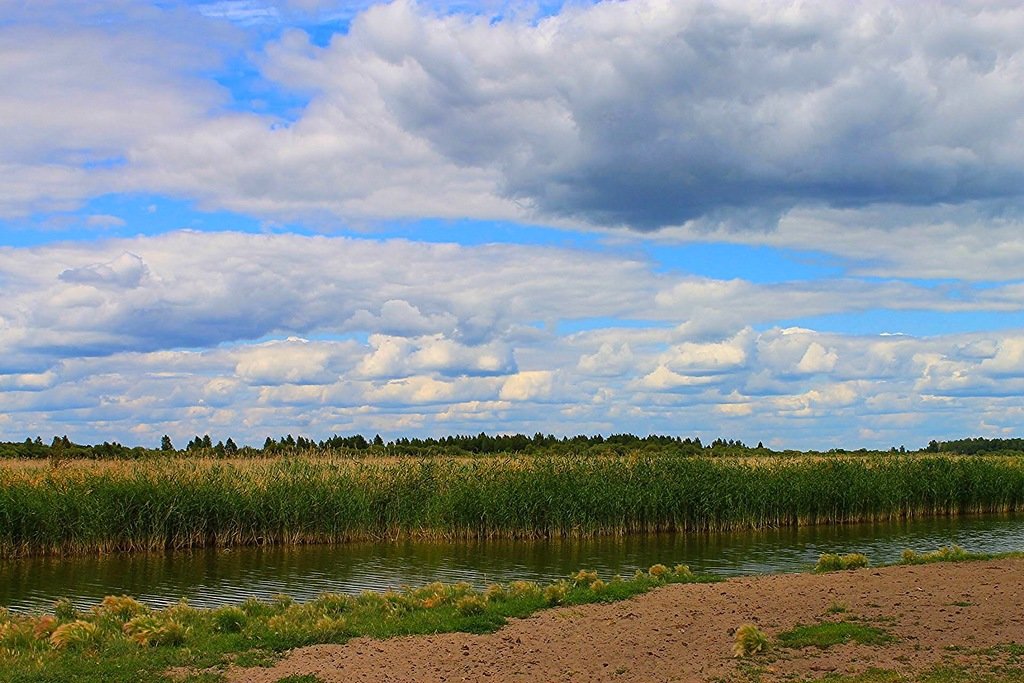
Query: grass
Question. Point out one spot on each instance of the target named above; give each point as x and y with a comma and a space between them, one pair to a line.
941, 674
122, 641
749, 641
831, 563
176, 503
829, 633
950, 553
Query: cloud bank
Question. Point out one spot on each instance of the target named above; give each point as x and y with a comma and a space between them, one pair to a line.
191, 332
642, 114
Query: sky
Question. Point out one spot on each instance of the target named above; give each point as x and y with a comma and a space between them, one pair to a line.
795, 223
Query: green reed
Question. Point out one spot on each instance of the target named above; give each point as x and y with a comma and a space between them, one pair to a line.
178, 504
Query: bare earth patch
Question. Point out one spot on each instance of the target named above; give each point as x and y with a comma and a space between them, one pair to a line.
938, 614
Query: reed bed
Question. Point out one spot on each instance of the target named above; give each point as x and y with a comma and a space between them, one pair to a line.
173, 504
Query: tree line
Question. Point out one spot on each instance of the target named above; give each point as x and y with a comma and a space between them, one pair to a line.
61, 448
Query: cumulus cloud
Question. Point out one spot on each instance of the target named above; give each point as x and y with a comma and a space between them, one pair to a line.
642, 113
648, 113
127, 270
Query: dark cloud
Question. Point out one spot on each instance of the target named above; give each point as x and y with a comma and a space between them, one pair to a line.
650, 114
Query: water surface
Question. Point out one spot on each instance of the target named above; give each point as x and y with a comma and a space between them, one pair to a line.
210, 578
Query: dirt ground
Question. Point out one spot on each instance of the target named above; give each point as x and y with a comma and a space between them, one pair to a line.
939, 613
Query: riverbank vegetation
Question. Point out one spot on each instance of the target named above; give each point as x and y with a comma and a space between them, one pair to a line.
121, 639
174, 503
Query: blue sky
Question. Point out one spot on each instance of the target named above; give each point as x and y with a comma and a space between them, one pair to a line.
785, 224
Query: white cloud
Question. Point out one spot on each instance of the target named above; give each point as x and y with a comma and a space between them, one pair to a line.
642, 113
527, 385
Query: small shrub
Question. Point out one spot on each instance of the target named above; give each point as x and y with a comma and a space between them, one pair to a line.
281, 602
331, 628
44, 626
658, 571
749, 641
524, 589
583, 577
555, 593
683, 571
229, 619
16, 635
255, 608
120, 607
598, 586
332, 604
65, 610
829, 562
950, 553
77, 635
470, 604
150, 631
290, 628
496, 593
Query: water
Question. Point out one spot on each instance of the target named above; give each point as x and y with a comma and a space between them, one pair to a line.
216, 577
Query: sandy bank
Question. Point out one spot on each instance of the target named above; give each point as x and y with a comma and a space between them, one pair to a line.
683, 632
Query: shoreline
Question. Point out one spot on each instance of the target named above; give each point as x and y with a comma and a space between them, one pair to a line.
922, 613
949, 621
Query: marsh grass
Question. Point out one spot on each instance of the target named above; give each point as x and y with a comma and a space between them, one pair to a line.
177, 504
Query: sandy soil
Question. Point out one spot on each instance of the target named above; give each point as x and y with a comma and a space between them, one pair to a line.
683, 632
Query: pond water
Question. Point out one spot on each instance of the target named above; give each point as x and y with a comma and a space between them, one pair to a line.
210, 578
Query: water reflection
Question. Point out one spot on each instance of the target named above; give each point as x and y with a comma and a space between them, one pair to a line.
211, 578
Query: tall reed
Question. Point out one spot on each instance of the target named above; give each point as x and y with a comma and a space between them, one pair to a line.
179, 504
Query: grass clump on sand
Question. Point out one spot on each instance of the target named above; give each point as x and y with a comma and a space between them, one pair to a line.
950, 553
829, 562
749, 641
829, 633
940, 674
123, 641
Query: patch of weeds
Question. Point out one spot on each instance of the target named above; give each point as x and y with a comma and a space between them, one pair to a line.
827, 634
833, 563
261, 658
837, 608
869, 676
304, 678
942, 674
203, 677
947, 553
962, 603
958, 674
750, 640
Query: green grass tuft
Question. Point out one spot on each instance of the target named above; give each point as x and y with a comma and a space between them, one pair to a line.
831, 563
827, 634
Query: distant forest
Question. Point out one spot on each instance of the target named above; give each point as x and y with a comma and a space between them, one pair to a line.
60, 447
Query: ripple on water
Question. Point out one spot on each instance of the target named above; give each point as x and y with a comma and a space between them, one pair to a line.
211, 578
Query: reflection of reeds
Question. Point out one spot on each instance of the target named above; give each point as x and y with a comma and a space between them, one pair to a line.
169, 504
